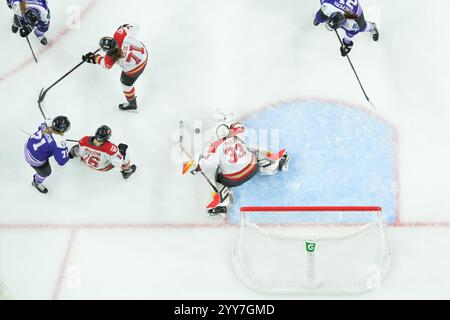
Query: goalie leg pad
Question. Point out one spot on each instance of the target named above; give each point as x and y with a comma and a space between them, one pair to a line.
271, 163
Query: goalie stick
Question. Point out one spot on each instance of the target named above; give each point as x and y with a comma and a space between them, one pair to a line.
188, 164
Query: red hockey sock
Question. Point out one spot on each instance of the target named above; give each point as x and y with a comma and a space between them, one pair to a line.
130, 94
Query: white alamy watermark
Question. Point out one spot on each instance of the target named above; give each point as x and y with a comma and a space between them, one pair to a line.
196, 140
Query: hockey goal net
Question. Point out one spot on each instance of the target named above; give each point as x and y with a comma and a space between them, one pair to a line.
324, 250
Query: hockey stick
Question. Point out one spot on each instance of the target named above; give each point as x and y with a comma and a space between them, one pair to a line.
189, 163
29, 134
40, 107
44, 92
354, 71
29, 43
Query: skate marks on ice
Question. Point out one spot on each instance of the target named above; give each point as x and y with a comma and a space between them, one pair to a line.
340, 155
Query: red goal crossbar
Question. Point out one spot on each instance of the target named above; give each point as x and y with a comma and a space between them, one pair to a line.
312, 208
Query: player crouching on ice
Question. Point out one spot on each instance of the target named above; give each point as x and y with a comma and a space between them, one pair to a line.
347, 15
47, 142
30, 15
98, 153
129, 53
232, 163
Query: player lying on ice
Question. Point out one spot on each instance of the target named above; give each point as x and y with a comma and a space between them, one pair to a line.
348, 15
98, 153
129, 53
231, 163
30, 15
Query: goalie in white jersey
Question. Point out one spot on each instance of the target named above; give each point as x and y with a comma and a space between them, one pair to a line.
231, 163
98, 153
129, 53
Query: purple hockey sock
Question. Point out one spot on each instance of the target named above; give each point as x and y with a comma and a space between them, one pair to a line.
38, 179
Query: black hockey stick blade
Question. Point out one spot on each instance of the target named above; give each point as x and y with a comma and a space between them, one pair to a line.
40, 106
42, 95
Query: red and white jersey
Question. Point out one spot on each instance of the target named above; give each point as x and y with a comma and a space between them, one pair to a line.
135, 54
231, 157
102, 158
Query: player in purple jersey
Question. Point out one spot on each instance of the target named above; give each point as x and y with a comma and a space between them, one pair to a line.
47, 142
348, 15
30, 15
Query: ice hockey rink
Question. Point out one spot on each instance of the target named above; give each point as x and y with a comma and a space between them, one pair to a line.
94, 236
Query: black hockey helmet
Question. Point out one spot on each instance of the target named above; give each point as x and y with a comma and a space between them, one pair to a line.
336, 20
61, 124
31, 16
103, 133
109, 45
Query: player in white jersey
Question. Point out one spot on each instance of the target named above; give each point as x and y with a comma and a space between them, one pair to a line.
129, 53
231, 163
98, 153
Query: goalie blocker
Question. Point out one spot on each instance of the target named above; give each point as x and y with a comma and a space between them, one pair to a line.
231, 163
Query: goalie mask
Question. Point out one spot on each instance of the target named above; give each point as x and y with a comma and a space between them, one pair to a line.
222, 131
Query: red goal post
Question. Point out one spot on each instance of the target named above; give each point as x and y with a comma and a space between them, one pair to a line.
280, 250
313, 208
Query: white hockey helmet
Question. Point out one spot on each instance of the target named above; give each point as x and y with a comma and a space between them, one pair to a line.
222, 131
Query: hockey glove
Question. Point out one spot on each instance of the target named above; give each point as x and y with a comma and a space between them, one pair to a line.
346, 48
44, 41
8, 4
73, 153
89, 57
196, 170
25, 31
123, 149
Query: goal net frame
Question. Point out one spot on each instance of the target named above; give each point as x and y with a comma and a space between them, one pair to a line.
310, 286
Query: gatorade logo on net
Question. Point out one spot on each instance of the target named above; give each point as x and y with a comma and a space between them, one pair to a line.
310, 246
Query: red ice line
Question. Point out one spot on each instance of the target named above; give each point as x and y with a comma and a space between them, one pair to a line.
62, 270
42, 50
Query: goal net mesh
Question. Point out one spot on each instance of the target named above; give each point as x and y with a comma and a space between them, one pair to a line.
311, 249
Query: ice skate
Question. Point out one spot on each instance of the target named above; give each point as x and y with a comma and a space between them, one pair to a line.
39, 186
375, 33
127, 173
218, 211
129, 106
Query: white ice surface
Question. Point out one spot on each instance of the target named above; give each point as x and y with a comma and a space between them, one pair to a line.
204, 55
